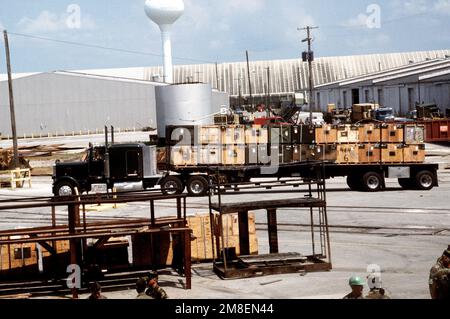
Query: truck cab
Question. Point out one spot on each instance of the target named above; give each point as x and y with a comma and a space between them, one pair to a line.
120, 163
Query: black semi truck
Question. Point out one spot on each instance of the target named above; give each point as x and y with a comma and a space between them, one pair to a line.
104, 167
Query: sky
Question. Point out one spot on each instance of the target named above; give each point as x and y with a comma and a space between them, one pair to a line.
213, 31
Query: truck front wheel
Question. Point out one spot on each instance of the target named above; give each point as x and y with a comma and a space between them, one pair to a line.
197, 186
372, 182
64, 188
172, 185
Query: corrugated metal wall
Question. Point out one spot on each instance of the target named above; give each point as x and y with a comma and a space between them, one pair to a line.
287, 76
52, 103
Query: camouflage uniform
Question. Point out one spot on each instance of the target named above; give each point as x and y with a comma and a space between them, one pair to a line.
440, 278
350, 296
377, 294
156, 293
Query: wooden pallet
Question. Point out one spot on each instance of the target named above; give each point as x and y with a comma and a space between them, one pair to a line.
16, 178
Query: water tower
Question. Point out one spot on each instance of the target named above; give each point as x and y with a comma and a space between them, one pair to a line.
165, 13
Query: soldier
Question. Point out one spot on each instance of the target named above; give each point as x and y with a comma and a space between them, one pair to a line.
440, 277
357, 285
154, 290
141, 285
376, 289
96, 291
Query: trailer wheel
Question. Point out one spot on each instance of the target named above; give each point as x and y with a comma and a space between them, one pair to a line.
197, 186
172, 185
372, 182
407, 183
64, 188
424, 180
353, 181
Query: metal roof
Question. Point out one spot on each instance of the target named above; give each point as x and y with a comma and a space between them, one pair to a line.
288, 76
413, 72
434, 75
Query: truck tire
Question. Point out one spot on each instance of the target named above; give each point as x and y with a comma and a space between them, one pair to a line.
64, 188
172, 185
424, 181
372, 182
353, 181
197, 186
407, 183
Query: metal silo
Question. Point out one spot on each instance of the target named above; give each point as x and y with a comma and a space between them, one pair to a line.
183, 104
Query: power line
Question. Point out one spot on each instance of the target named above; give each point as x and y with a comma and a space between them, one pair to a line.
94, 46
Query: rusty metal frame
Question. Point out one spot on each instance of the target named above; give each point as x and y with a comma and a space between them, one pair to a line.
76, 230
313, 197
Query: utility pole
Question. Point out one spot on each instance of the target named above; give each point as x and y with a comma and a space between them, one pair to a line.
249, 80
309, 57
217, 77
11, 102
268, 92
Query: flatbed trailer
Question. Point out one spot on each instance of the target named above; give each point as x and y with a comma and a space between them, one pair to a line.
360, 177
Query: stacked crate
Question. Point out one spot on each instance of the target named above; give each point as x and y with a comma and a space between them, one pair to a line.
233, 145
238, 145
209, 146
181, 141
414, 147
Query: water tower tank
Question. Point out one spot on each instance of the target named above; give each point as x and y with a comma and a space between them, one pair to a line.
183, 104
165, 13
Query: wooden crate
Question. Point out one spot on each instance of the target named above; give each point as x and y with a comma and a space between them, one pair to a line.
201, 246
347, 154
392, 133
281, 134
253, 134
263, 137
264, 154
30, 260
4, 257
210, 155
369, 153
210, 134
251, 154
182, 135
316, 153
183, 156
414, 134
347, 134
233, 134
297, 155
414, 153
370, 133
391, 153
286, 152
326, 134
233, 155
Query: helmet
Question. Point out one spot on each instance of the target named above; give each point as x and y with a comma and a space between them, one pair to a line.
356, 281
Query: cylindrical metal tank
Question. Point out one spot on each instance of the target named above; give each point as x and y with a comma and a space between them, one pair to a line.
183, 104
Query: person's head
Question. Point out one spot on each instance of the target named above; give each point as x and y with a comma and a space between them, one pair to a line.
357, 285
152, 279
96, 290
141, 285
446, 257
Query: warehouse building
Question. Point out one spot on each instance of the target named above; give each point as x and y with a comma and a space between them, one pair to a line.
401, 88
71, 103
66, 102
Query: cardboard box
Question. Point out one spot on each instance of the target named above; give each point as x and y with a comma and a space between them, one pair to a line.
263, 137
254, 134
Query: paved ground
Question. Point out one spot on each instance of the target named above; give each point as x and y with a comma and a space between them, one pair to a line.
401, 231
